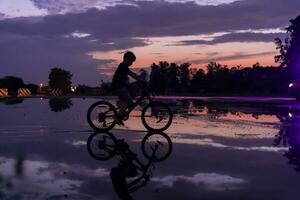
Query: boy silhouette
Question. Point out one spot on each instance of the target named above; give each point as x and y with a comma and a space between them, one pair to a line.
120, 84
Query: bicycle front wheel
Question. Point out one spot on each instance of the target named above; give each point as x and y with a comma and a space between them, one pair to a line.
100, 116
157, 116
156, 146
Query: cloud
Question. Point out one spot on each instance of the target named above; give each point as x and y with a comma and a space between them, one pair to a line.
203, 2
212, 143
77, 34
2, 15
20, 8
48, 178
236, 37
236, 56
31, 57
163, 19
76, 6
210, 181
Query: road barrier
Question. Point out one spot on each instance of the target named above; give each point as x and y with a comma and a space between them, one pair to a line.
56, 92
24, 92
3, 92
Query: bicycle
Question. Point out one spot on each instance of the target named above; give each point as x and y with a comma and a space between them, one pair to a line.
155, 116
104, 145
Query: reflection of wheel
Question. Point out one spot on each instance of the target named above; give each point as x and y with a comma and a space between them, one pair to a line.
100, 116
157, 116
101, 145
156, 146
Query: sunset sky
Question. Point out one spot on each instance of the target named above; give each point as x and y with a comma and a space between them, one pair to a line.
88, 37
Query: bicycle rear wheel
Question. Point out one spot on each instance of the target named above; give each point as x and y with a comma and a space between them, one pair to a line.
100, 116
101, 145
157, 116
156, 146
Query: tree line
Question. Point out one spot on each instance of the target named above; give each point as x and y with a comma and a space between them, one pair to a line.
173, 79
170, 78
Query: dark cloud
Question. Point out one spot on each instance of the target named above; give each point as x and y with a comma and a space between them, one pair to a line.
2, 15
30, 46
162, 19
76, 6
236, 37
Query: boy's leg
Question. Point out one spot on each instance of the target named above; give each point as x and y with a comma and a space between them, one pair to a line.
126, 100
134, 89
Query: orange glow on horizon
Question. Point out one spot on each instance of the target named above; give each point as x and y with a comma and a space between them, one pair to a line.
230, 54
107, 73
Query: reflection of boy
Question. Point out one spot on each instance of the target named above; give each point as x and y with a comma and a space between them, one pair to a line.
126, 169
119, 84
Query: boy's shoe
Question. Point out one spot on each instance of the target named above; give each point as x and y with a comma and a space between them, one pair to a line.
118, 118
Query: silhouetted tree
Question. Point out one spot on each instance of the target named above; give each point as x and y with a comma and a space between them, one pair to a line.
12, 83
184, 77
198, 82
60, 79
172, 77
33, 88
83, 89
217, 76
290, 48
157, 77
105, 88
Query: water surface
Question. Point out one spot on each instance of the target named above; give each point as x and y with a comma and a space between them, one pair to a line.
221, 150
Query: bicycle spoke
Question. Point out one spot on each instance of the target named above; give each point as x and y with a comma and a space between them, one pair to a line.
101, 116
157, 116
101, 145
156, 146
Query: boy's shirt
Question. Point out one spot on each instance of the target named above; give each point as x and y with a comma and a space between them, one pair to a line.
120, 77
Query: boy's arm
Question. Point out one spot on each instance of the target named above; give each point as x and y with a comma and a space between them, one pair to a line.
135, 76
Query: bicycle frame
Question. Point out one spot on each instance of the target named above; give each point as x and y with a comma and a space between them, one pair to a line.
145, 94
142, 167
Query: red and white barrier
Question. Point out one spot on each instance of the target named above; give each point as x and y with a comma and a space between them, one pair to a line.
24, 92
3, 92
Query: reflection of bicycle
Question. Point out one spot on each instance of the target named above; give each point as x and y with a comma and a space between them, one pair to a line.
156, 146
155, 115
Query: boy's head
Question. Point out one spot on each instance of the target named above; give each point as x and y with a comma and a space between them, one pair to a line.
129, 58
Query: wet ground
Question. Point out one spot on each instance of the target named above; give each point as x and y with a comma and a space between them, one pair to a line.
221, 150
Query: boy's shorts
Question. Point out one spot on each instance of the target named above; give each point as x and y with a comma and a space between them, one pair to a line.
124, 95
